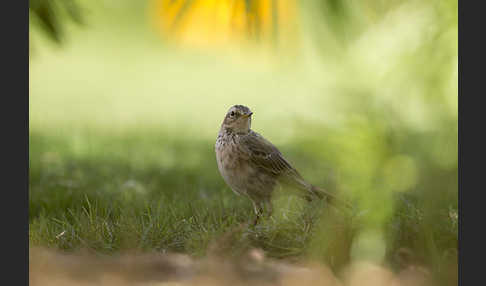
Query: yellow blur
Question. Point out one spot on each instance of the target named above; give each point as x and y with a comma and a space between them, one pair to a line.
209, 23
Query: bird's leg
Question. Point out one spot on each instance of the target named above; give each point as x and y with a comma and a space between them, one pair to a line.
255, 221
257, 206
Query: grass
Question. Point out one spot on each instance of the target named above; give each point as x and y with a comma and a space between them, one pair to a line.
116, 200
149, 193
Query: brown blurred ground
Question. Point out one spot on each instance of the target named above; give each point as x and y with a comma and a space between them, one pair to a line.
49, 267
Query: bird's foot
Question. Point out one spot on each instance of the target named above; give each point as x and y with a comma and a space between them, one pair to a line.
256, 220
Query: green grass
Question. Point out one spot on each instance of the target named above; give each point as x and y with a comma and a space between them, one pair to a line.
129, 196
136, 190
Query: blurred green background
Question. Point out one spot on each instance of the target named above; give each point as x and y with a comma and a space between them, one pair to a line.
361, 98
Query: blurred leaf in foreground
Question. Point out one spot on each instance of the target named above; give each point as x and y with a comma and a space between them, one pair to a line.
50, 14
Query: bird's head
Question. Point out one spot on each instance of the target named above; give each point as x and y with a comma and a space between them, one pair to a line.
237, 120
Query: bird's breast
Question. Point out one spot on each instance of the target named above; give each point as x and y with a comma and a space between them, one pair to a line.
232, 165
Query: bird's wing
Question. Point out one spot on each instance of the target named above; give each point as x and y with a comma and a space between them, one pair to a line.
266, 156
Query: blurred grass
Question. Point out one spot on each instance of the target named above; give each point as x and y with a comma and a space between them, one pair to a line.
122, 128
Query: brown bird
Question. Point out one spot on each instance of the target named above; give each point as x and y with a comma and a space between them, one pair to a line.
252, 166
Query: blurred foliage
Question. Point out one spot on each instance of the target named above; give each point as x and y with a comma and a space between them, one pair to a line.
50, 15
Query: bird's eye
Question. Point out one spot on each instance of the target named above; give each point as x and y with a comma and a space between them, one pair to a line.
232, 113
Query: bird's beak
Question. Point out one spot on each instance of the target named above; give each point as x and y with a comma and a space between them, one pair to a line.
247, 115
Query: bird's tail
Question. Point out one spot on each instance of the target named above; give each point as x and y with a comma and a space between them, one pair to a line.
330, 198
311, 192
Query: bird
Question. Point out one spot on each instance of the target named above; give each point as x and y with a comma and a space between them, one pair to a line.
252, 166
